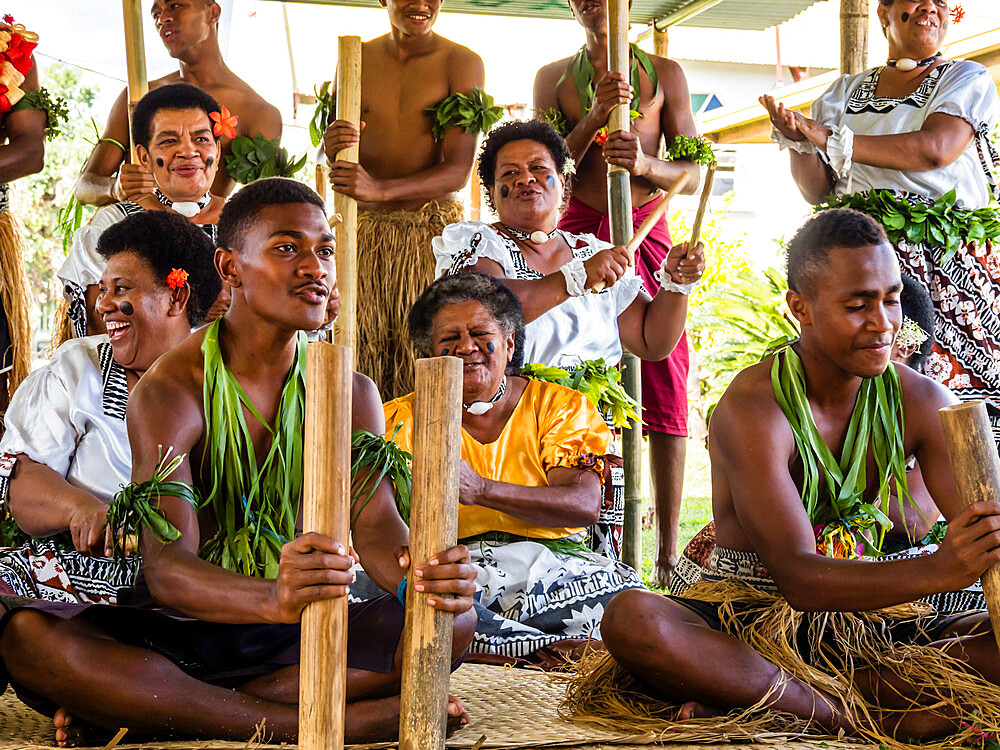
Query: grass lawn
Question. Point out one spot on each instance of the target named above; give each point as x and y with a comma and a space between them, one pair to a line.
696, 509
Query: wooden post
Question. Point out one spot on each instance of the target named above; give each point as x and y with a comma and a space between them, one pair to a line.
853, 36
427, 635
620, 216
976, 466
322, 178
661, 41
348, 108
135, 61
326, 509
699, 217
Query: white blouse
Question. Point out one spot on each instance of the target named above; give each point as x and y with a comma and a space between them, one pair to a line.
956, 87
580, 328
70, 416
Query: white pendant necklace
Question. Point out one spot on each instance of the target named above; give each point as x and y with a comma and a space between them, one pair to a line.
184, 208
538, 237
906, 64
481, 407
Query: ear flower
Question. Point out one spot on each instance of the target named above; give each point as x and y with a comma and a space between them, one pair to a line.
177, 278
225, 123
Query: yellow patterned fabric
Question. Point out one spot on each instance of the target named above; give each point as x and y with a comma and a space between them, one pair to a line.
551, 427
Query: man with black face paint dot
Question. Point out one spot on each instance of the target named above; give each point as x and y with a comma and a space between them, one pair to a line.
175, 142
665, 108
189, 29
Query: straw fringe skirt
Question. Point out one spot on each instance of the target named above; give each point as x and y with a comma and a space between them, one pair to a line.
839, 644
14, 296
395, 264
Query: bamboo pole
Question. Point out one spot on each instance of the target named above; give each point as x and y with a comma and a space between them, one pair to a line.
135, 61
661, 41
976, 466
620, 216
348, 108
321, 180
326, 510
632, 454
853, 36
427, 635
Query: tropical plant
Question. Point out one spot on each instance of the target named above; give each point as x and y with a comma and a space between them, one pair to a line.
256, 158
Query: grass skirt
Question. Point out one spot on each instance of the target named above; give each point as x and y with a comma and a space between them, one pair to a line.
14, 296
837, 645
395, 264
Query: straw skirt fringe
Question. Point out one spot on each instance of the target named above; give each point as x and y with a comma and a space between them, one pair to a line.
840, 644
14, 296
395, 264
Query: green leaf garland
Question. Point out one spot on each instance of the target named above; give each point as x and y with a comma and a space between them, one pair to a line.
382, 458
841, 515
693, 148
56, 111
256, 158
475, 112
581, 71
940, 224
596, 380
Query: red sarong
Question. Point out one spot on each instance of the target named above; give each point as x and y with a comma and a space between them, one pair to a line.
664, 383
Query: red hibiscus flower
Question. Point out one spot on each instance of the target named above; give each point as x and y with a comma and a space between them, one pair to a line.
601, 137
177, 278
225, 123
8, 19
957, 14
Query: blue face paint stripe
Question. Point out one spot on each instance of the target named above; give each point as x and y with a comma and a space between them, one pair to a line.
490, 347
551, 181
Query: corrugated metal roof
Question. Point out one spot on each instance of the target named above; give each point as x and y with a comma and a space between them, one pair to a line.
726, 14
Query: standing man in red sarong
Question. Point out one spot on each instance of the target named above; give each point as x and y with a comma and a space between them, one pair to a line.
563, 95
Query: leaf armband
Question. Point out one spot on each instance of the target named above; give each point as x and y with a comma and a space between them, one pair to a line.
56, 111
693, 148
255, 158
595, 379
383, 458
475, 112
134, 510
555, 118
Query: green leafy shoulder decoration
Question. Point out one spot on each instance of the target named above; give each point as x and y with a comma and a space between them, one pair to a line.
581, 71
694, 148
940, 224
555, 118
596, 380
833, 492
256, 158
475, 112
382, 458
56, 111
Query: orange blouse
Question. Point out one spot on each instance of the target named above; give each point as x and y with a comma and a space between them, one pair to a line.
551, 426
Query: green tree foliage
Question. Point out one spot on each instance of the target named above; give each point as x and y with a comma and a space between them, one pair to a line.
38, 199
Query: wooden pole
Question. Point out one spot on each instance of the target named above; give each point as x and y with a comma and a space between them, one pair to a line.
437, 451
853, 36
327, 510
348, 108
135, 61
699, 217
976, 466
321, 181
620, 217
661, 41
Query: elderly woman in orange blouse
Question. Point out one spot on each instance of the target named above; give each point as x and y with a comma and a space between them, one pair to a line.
532, 455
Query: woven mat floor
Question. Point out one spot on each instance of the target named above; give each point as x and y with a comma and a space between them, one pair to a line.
510, 708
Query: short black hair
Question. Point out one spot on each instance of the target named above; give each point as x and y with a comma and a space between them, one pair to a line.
917, 306
171, 96
240, 211
166, 241
809, 249
491, 293
521, 130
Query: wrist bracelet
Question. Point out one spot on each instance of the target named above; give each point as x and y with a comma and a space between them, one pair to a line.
667, 284
840, 149
401, 591
783, 141
576, 278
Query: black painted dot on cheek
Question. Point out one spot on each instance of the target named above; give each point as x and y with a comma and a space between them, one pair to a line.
126, 308
905, 17
490, 347
159, 161
209, 161
551, 181
504, 191
445, 352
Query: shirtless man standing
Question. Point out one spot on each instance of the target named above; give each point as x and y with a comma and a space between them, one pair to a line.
407, 182
844, 287
242, 581
189, 29
666, 112
23, 154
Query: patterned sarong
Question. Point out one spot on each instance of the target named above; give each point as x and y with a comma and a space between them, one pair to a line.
395, 264
42, 569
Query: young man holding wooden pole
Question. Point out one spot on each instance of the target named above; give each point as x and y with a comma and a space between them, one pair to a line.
661, 108
216, 498
412, 164
189, 29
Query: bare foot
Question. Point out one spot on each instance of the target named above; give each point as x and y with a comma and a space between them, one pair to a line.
377, 720
695, 710
458, 717
69, 732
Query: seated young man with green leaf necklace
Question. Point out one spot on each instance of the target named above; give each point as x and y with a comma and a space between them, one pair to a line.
804, 447
217, 444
